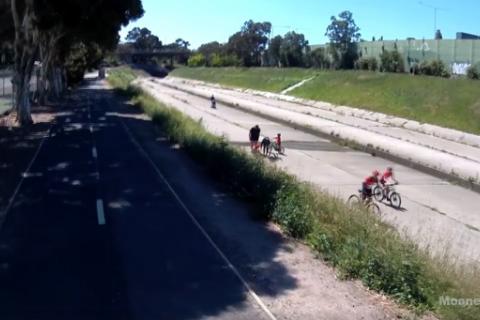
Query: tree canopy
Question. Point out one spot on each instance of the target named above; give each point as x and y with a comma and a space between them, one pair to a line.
50, 30
293, 49
344, 35
250, 42
274, 51
143, 39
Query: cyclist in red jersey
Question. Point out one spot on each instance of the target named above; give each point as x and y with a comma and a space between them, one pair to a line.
368, 183
388, 175
278, 141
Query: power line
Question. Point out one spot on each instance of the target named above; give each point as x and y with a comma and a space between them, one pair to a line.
435, 9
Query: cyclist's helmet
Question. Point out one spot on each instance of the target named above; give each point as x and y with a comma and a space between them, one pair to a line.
389, 169
375, 173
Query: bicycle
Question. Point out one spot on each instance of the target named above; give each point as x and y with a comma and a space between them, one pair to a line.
358, 200
275, 150
387, 191
255, 147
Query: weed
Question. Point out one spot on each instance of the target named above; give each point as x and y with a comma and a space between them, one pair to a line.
356, 242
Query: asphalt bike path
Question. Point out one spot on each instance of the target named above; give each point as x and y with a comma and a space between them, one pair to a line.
95, 233
56, 261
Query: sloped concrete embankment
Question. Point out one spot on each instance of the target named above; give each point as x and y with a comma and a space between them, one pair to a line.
434, 162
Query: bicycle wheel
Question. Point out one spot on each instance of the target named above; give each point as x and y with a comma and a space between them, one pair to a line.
378, 193
353, 201
374, 208
271, 152
395, 200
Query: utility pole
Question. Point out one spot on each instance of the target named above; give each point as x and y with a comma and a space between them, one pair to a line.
435, 10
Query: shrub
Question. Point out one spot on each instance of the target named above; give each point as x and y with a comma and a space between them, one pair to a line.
392, 61
293, 209
361, 64
196, 60
354, 241
473, 72
219, 60
319, 58
434, 68
216, 60
369, 63
232, 60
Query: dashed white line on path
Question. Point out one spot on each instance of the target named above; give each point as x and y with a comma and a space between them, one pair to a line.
100, 212
252, 293
94, 152
32, 174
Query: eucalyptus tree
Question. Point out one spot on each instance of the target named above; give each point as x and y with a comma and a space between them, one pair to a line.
293, 49
344, 35
50, 29
6, 34
274, 51
250, 42
143, 39
6, 27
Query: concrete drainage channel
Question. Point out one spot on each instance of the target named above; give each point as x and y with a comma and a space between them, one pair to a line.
448, 134
451, 176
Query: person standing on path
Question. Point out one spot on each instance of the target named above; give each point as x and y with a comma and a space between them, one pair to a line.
265, 145
213, 102
254, 136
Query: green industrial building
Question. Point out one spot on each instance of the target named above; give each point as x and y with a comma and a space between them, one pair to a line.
458, 54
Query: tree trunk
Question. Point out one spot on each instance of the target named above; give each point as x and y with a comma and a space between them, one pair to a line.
49, 56
25, 51
43, 73
57, 82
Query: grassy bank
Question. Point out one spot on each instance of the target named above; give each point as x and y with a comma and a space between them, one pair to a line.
266, 79
453, 103
353, 241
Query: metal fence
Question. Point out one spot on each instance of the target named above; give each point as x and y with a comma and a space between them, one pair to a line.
458, 54
6, 88
5, 82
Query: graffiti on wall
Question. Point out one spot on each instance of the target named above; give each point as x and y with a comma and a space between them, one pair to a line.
421, 47
460, 67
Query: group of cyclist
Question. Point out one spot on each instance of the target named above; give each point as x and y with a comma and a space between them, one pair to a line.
254, 136
367, 185
376, 178
266, 143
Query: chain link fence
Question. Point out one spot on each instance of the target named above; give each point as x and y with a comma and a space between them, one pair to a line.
7, 87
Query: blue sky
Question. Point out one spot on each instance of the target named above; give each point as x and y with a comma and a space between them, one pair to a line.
201, 21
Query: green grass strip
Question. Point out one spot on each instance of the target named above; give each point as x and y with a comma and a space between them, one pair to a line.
357, 243
452, 103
